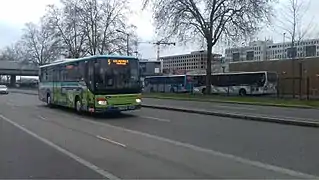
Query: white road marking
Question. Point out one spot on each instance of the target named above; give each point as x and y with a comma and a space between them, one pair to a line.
213, 152
157, 119
43, 118
111, 141
60, 149
10, 104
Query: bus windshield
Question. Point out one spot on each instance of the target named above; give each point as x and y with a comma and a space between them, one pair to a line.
116, 76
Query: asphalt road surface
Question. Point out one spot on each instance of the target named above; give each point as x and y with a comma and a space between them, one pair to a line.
22, 156
254, 110
268, 111
37, 141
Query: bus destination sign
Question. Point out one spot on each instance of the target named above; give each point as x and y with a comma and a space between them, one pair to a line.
121, 62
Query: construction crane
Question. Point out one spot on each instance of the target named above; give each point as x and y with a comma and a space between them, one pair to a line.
158, 44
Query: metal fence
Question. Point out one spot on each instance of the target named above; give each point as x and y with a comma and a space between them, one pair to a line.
302, 88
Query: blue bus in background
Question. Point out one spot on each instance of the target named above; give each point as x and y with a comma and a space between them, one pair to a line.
171, 83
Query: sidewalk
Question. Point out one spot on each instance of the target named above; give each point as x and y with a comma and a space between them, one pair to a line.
252, 112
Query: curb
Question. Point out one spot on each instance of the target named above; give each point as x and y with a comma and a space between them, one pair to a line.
241, 116
236, 102
19, 92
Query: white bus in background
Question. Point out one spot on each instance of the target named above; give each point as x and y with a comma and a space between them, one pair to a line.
238, 83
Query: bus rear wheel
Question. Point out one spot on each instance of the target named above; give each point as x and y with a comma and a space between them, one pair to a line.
242, 92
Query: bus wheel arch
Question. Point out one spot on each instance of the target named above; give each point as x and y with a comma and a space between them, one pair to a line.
172, 90
242, 92
77, 104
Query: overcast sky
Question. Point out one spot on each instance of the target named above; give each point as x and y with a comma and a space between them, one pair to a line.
15, 13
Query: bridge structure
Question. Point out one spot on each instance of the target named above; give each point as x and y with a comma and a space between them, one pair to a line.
16, 68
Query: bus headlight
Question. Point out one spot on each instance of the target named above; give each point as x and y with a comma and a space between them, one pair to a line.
138, 101
102, 102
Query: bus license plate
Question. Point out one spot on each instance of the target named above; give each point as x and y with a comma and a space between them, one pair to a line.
123, 108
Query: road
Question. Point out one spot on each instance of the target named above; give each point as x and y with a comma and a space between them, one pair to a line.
22, 156
254, 110
148, 143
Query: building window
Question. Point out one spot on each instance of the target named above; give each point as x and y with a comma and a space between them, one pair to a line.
236, 56
250, 55
310, 50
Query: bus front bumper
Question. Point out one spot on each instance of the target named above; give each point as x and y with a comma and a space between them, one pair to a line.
115, 109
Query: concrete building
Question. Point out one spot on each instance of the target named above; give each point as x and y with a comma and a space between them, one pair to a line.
150, 68
267, 50
184, 63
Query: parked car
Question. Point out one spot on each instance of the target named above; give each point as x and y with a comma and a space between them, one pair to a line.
4, 89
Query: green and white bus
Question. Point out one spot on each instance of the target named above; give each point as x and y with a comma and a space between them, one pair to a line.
96, 84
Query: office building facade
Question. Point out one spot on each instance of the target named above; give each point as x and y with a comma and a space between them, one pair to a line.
184, 63
267, 50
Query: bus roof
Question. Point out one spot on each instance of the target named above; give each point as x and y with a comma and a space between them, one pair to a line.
63, 61
179, 75
227, 73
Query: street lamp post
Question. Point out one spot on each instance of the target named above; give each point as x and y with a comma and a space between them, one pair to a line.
283, 45
127, 41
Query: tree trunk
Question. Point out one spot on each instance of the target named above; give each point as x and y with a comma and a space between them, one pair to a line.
209, 68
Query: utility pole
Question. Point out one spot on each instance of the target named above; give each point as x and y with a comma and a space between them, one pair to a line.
283, 45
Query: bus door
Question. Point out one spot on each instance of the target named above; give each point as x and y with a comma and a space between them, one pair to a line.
189, 83
63, 85
54, 88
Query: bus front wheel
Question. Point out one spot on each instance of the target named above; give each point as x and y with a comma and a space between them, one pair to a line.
48, 100
78, 105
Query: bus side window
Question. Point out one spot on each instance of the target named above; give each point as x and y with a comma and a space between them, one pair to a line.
44, 75
90, 79
83, 71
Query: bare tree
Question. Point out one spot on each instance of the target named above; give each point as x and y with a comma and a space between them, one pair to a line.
101, 20
39, 45
8, 53
211, 19
13, 52
291, 21
68, 27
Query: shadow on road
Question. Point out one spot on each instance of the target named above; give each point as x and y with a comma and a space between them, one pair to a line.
104, 116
